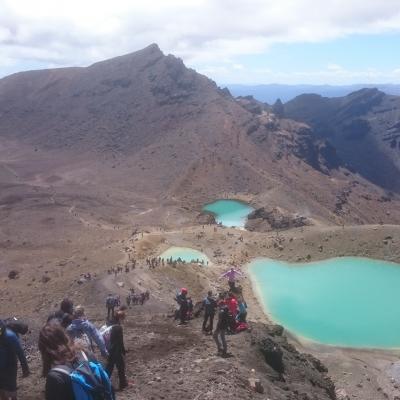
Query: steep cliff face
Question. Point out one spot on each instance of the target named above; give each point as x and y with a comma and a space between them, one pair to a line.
289, 138
364, 128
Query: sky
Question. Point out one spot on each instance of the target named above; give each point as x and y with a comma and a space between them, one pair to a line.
231, 41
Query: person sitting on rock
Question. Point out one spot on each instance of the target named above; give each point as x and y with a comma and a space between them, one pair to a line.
242, 314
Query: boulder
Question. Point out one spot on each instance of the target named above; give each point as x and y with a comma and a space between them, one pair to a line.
13, 274
263, 220
205, 219
341, 394
273, 354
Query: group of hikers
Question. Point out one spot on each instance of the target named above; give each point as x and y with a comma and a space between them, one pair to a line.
68, 343
230, 308
119, 269
137, 298
154, 262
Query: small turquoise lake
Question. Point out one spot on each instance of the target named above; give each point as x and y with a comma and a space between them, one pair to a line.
346, 301
185, 254
229, 212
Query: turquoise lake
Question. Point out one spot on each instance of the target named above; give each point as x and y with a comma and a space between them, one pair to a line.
185, 254
347, 301
229, 212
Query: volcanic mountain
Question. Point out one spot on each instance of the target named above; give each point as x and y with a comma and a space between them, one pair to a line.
364, 127
143, 125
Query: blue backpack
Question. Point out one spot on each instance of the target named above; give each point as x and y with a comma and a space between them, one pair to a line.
89, 380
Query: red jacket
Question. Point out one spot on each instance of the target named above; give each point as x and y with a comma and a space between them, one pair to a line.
232, 305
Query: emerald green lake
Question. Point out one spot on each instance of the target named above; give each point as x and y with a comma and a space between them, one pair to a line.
229, 212
347, 301
185, 254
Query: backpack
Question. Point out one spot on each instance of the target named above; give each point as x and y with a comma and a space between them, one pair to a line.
18, 327
110, 302
89, 380
105, 332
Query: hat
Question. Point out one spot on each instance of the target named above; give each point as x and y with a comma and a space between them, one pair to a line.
184, 290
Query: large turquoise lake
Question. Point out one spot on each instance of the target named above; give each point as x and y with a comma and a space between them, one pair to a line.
229, 212
347, 301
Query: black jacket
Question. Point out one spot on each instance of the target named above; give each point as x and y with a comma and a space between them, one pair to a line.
223, 318
116, 346
209, 305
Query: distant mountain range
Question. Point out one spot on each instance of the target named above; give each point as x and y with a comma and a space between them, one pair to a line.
271, 92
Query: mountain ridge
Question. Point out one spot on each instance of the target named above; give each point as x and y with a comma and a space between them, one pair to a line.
269, 93
146, 123
362, 123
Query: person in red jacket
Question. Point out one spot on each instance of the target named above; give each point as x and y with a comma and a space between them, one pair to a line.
232, 304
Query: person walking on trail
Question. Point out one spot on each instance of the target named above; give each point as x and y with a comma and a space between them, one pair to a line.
10, 351
116, 350
220, 331
70, 373
112, 301
182, 301
84, 333
231, 275
129, 300
64, 314
210, 306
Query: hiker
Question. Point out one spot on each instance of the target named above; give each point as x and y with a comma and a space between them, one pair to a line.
17, 326
112, 301
231, 275
220, 331
116, 349
129, 300
209, 305
242, 306
85, 333
232, 305
190, 308
181, 299
70, 374
64, 314
10, 351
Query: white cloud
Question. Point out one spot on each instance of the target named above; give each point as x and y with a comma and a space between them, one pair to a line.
202, 32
